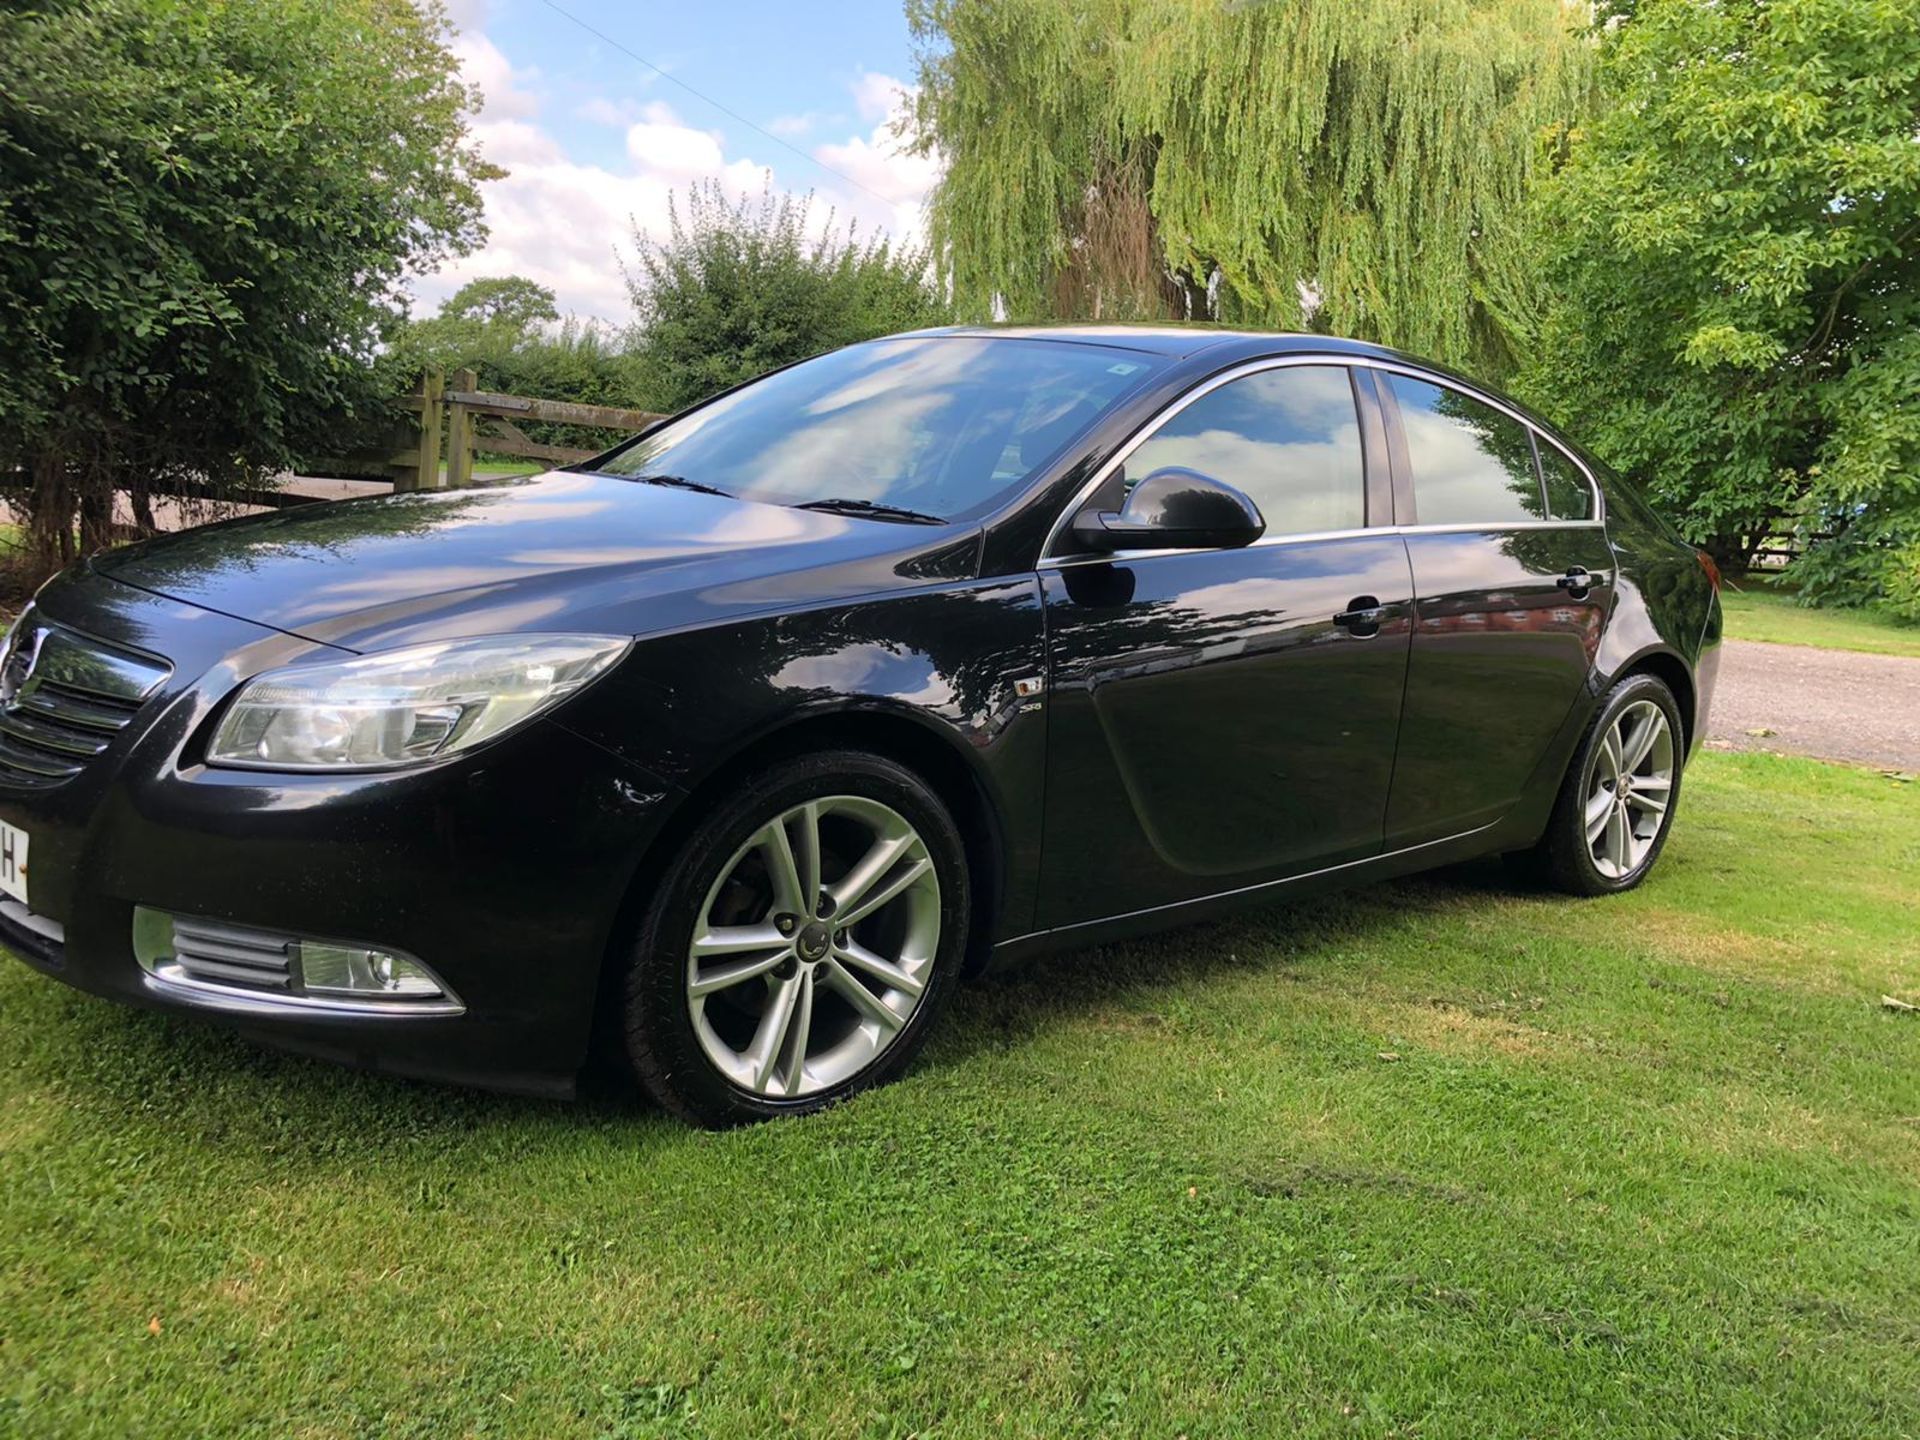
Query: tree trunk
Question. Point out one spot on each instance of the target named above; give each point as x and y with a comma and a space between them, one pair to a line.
50, 507
96, 518
142, 506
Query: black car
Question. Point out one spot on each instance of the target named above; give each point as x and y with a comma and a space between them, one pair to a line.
746, 742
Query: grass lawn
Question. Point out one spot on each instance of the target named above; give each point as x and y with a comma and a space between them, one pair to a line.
1434, 1159
499, 465
1761, 613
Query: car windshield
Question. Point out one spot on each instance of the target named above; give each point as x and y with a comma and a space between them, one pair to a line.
921, 427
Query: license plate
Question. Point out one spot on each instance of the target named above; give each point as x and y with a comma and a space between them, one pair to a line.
13, 862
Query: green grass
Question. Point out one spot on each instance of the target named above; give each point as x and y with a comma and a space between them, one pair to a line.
1761, 613
1648, 1166
498, 465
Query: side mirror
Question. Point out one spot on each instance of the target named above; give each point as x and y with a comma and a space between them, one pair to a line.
1173, 509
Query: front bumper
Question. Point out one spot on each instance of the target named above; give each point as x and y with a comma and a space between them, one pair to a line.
504, 870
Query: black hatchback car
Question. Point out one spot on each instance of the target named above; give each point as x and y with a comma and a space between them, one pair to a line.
747, 741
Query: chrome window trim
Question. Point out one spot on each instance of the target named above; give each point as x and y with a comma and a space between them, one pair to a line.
1369, 532
1048, 560
1540, 437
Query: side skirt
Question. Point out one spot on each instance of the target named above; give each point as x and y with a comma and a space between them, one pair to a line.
1468, 845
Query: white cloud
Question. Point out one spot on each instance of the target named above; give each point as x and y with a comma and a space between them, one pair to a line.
563, 223
567, 224
482, 64
469, 14
616, 114
661, 143
515, 143
878, 163
877, 96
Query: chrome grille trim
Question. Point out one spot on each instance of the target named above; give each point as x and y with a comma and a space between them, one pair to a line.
75, 708
21, 725
206, 950
63, 697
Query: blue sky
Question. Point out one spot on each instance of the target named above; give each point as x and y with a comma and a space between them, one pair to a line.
595, 142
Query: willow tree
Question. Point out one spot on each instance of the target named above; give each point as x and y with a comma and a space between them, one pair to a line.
1358, 168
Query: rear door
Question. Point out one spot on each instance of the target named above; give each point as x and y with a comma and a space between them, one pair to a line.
1513, 580
1222, 718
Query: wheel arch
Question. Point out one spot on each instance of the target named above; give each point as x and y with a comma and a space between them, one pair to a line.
912, 738
1671, 669
906, 736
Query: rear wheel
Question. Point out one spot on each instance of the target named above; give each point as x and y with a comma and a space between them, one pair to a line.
1616, 804
800, 944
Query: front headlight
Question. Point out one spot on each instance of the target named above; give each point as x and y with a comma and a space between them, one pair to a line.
404, 706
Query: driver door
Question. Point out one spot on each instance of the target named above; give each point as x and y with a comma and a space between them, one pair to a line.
1223, 718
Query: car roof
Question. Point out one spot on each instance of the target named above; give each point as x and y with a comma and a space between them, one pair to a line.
1225, 345
1173, 340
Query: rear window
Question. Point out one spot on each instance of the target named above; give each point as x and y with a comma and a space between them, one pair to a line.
1569, 496
1472, 465
947, 425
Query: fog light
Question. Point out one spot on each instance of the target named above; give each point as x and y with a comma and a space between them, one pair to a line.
271, 967
347, 970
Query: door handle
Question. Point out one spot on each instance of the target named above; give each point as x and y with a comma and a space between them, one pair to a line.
1361, 619
1577, 582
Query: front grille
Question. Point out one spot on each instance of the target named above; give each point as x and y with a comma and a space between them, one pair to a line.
230, 955
63, 697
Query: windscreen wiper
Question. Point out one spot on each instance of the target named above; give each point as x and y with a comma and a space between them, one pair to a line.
872, 510
680, 482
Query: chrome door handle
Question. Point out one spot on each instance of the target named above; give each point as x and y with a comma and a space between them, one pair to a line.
1361, 619
1577, 582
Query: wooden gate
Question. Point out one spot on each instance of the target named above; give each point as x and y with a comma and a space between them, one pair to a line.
481, 420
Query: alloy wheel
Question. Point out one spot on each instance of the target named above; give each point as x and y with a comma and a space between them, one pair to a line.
1629, 788
813, 947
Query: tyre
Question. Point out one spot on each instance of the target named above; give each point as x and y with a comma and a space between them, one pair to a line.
800, 944
1616, 804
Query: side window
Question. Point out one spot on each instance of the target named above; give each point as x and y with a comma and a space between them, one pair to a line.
1289, 438
1569, 496
1471, 464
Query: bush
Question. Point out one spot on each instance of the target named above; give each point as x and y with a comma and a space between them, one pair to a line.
206, 209
740, 288
1732, 243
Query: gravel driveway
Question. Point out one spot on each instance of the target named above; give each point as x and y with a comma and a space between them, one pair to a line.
1836, 704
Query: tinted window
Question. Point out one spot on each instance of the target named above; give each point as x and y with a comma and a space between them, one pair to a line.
1569, 496
1289, 438
946, 425
1471, 464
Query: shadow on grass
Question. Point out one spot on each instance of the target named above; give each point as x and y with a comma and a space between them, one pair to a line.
1028, 999
191, 1078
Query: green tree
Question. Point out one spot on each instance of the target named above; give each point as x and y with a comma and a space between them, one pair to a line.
1241, 161
482, 318
206, 210
1735, 241
512, 302
739, 288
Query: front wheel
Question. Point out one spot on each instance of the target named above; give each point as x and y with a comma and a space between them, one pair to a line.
801, 942
1617, 802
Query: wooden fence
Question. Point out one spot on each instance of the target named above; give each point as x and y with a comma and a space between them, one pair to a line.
453, 417
475, 420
